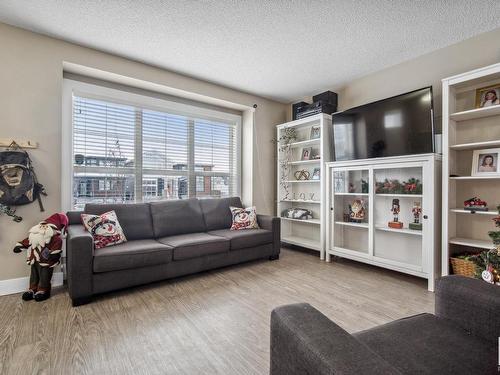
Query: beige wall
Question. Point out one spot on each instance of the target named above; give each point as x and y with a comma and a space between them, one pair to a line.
31, 73
423, 71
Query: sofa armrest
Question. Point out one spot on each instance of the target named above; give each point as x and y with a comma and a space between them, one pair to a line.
74, 217
304, 341
273, 224
470, 304
80, 256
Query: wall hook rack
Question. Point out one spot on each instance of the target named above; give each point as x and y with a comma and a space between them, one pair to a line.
25, 143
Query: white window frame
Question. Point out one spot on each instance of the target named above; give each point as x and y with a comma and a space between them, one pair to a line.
76, 88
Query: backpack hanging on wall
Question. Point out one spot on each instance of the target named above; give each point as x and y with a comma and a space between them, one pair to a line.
18, 182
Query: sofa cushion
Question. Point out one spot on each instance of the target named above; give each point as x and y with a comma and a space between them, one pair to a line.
426, 344
187, 246
177, 217
132, 254
134, 218
241, 239
217, 213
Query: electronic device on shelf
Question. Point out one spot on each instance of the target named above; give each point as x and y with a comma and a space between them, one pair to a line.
326, 102
327, 97
296, 107
314, 109
400, 125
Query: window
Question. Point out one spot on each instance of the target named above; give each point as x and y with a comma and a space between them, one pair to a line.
127, 151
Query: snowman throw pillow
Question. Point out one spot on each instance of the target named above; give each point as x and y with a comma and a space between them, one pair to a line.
105, 229
244, 218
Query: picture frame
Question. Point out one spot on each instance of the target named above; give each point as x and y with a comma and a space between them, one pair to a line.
485, 162
316, 175
306, 153
488, 96
315, 132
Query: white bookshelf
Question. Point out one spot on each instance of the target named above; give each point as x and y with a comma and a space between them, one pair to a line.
304, 233
465, 129
372, 241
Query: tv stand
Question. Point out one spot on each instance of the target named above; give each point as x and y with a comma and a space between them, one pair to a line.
371, 204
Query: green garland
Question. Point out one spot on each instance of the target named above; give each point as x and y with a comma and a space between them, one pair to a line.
412, 186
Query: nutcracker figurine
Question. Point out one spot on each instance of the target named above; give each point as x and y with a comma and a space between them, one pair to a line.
416, 210
395, 224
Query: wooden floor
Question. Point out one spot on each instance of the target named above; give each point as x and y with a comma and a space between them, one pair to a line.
211, 323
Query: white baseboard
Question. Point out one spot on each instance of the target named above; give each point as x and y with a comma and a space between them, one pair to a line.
21, 284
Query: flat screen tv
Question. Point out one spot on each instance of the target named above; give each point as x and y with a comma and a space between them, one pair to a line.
401, 125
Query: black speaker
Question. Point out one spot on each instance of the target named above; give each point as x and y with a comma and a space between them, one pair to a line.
327, 97
296, 108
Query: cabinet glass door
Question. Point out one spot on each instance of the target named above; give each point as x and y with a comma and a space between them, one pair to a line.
350, 206
398, 210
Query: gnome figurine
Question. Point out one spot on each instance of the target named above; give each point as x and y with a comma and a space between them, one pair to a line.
44, 247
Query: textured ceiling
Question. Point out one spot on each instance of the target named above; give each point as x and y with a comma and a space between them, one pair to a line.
277, 49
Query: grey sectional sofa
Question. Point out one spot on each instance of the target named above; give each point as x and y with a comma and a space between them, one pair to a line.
165, 239
461, 338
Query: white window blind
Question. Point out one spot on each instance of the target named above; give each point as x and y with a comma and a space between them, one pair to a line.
129, 153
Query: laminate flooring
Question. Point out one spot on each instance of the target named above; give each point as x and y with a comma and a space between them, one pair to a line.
215, 322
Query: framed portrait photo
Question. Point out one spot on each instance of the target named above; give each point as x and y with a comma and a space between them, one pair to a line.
315, 132
488, 96
306, 153
316, 174
485, 162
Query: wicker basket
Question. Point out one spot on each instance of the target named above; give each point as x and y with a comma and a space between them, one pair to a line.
463, 267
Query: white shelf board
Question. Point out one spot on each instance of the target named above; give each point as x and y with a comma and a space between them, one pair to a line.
349, 224
491, 212
300, 201
354, 194
475, 145
304, 122
483, 244
475, 113
300, 241
475, 178
302, 181
402, 230
305, 143
399, 195
313, 161
310, 221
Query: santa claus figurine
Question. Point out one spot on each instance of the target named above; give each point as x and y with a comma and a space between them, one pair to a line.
44, 247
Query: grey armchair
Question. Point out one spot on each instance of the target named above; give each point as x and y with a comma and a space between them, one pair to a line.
461, 338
